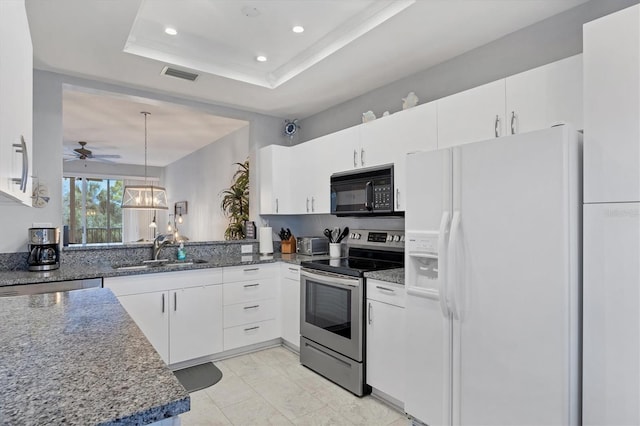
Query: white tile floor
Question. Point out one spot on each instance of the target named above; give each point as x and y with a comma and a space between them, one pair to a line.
270, 387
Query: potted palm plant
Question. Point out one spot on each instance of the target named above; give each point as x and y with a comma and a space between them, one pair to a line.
235, 203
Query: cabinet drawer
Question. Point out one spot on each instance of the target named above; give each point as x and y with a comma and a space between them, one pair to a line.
162, 281
248, 334
249, 291
386, 292
248, 272
245, 313
290, 271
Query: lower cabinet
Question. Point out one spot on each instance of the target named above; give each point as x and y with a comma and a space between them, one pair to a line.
385, 317
179, 312
290, 303
251, 305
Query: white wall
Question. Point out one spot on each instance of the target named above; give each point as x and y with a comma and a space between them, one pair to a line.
199, 178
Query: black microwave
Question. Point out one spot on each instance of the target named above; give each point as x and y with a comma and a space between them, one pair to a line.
363, 192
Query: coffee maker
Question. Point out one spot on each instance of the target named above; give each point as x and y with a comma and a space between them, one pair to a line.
44, 249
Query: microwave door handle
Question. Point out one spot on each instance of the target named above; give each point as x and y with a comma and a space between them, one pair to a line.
368, 189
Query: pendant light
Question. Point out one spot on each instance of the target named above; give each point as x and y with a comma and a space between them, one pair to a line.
144, 197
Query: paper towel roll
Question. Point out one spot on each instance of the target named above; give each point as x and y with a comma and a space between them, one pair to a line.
265, 236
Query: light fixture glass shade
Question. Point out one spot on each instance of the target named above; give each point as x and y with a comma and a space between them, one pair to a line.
144, 197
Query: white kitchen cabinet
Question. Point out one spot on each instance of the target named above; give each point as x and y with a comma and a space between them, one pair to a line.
179, 312
544, 96
251, 300
150, 311
290, 304
194, 322
275, 177
473, 115
16, 103
389, 139
344, 150
385, 338
310, 183
612, 107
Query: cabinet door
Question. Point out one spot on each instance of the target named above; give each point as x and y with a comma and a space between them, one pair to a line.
389, 139
150, 311
343, 150
16, 101
612, 107
545, 96
385, 348
473, 115
314, 162
274, 171
611, 324
291, 311
195, 322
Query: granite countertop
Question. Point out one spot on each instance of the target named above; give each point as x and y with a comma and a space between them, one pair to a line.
102, 270
389, 275
78, 358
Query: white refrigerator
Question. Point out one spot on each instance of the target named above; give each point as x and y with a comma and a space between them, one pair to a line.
493, 281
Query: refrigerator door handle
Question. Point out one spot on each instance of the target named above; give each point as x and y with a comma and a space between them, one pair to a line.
453, 273
442, 262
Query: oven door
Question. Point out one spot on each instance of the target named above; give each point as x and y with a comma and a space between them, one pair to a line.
331, 311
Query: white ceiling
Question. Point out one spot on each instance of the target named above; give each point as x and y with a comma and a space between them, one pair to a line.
348, 48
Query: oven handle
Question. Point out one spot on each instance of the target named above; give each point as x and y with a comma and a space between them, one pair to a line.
330, 279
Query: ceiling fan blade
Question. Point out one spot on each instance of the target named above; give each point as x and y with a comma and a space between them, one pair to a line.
105, 156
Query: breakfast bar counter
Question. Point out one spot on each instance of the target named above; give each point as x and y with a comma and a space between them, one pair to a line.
77, 358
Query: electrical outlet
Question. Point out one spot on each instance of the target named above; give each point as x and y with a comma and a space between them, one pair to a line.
246, 248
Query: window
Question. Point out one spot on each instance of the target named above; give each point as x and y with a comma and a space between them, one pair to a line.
91, 209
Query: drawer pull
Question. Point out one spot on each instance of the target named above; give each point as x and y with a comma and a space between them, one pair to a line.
163, 303
251, 285
252, 307
252, 328
385, 289
293, 269
251, 269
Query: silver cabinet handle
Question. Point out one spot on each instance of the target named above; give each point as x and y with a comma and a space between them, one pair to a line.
163, 303
397, 198
251, 285
294, 269
313, 204
362, 156
369, 313
513, 122
276, 205
251, 307
307, 204
497, 126
385, 289
355, 158
22, 149
252, 328
175, 301
250, 269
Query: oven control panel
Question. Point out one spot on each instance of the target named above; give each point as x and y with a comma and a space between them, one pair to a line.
376, 238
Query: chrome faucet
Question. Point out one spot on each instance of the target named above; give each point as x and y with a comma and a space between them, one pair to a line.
160, 242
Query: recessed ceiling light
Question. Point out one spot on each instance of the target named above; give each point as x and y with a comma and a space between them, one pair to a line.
297, 29
261, 58
170, 31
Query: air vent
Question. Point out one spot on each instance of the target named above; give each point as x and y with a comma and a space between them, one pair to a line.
173, 72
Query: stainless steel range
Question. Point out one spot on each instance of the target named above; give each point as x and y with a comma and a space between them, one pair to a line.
332, 324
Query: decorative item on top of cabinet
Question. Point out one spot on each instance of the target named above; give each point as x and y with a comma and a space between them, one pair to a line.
368, 116
409, 101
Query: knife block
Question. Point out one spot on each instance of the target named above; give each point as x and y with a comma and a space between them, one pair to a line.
289, 246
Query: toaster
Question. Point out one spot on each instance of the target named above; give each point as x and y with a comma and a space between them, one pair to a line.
312, 245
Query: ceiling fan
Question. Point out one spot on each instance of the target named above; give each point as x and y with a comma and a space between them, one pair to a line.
83, 153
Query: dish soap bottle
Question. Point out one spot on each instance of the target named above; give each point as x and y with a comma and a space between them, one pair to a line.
182, 254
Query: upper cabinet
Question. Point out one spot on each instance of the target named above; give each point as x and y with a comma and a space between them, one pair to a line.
532, 100
473, 115
544, 96
612, 107
16, 103
274, 171
389, 139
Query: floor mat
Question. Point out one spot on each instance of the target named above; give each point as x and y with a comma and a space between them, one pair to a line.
199, 376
